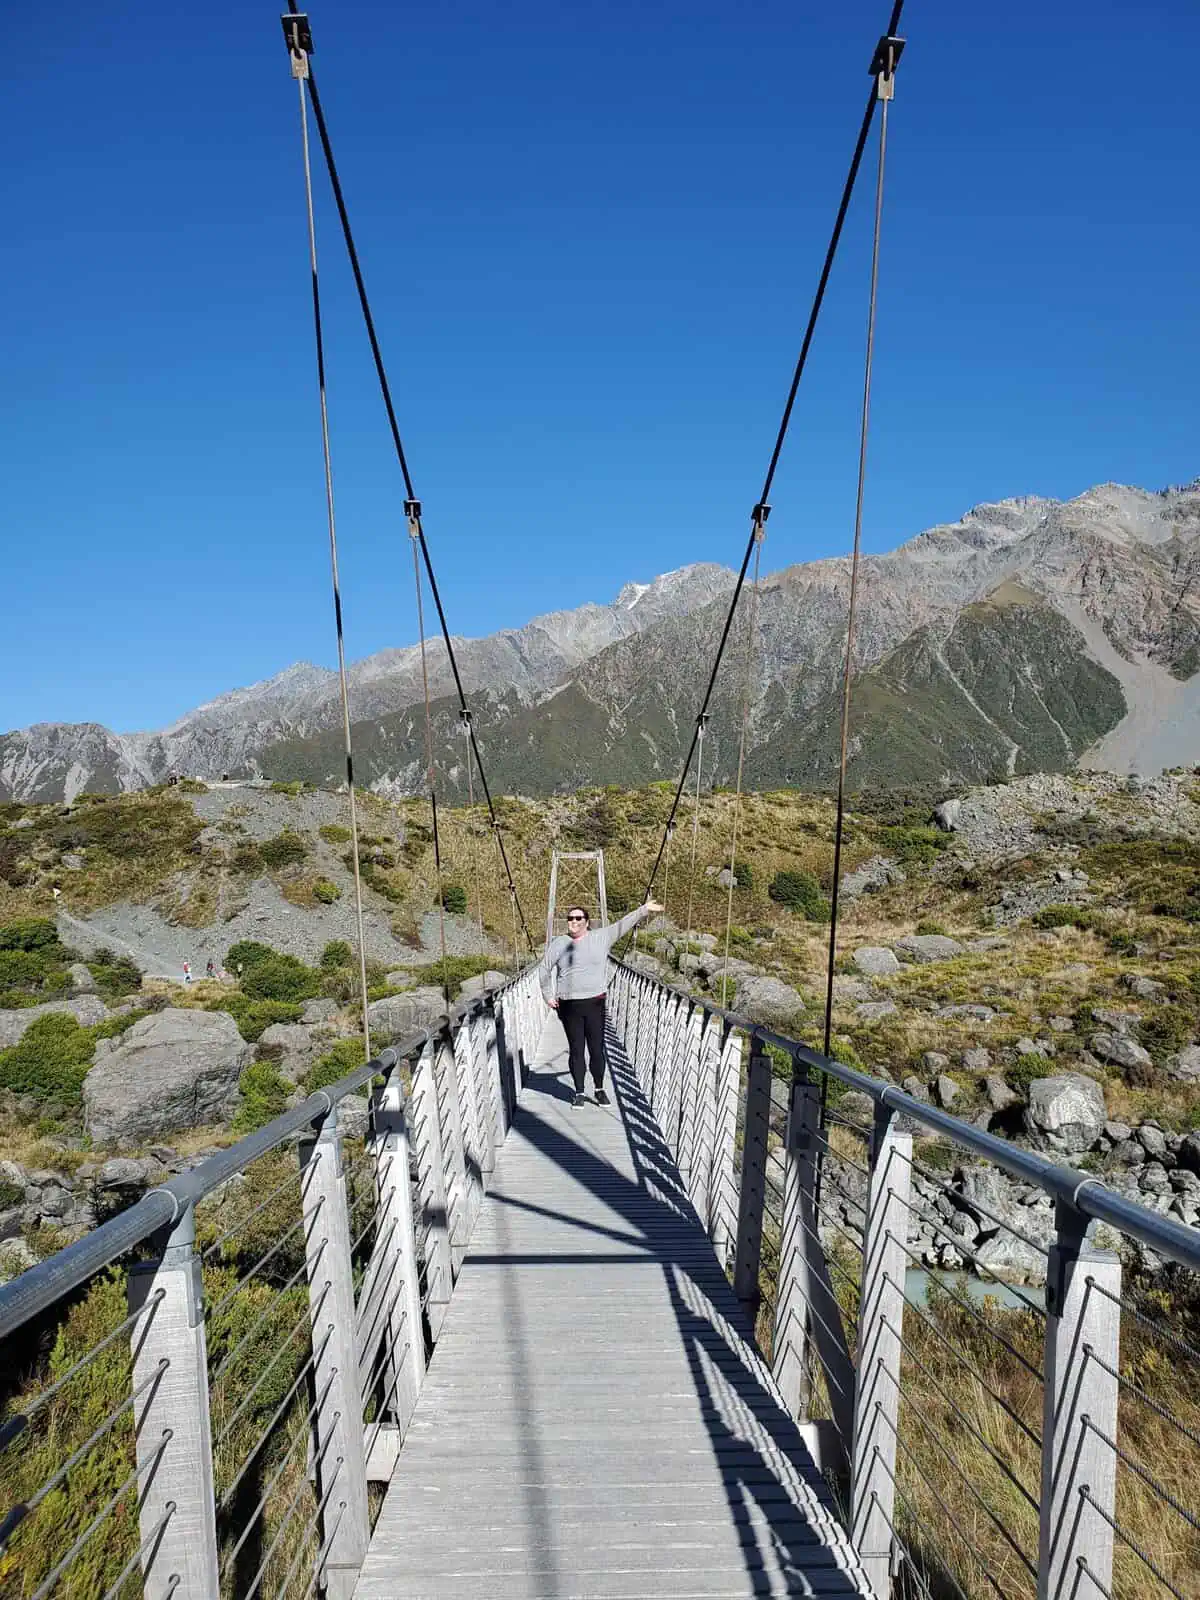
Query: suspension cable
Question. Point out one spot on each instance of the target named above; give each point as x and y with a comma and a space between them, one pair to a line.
762, 508
299, 44
412, 507
695, 830
747, 680
464, 718
429, 771
884, 65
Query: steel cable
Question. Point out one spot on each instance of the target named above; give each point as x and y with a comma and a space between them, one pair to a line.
301, 72
747, 676
394, 426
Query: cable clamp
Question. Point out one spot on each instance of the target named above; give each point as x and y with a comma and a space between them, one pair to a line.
298, 37
759, 518
412, 510
701, 723
884, 63
464, 717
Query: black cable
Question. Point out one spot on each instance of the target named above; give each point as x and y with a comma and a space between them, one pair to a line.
393, 424
761, 509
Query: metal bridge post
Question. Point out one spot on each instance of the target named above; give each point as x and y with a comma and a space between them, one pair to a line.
339, 1444
176, 1508
392, 1279
1079, 1465
721, 1208
489, 1044
806, 1308
754, 1177
444, 1071
705, 1118
431, 1186
506, 1061
880, 1323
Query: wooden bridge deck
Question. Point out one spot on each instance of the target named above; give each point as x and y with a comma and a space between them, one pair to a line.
594, 1421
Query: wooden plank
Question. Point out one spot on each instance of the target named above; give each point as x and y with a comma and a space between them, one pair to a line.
595, 1422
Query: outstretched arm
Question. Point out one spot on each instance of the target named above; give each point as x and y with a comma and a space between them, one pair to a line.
618, 930
547, 975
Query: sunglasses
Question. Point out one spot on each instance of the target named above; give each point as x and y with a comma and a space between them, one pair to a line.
576, 919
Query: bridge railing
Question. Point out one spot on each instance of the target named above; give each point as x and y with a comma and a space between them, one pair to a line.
994, 1354
202, 1391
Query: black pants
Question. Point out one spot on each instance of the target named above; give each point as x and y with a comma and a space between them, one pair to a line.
584, 1019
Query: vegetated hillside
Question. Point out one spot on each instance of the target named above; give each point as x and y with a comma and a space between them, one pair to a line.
1030, 635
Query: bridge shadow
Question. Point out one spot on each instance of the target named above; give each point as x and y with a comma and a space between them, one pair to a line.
777, 1501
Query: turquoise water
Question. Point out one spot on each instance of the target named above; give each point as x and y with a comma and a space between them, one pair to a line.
917, 1281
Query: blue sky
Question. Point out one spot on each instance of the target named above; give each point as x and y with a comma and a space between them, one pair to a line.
590, 234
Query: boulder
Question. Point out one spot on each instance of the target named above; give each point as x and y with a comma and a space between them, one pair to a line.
1061, 1024
977, 1059
87, 1009
851, 991
472, 988
769, 1000
82, 981
1116, 1021
1152, 1140
1188, 1154
172, 1070
1120, 1049
999, 1096
946, 815
726, 879
1118, 1132
324, 1009
914, 1087
15, 1258
353, 1116
873, 875
923, 947
402, 1014
934, 1061
875, 1010
875, 960
967, 1012
947, 1091
1186, 1065
1065, 1113
1144, 988
641, 962
294, 1046
1008, 1257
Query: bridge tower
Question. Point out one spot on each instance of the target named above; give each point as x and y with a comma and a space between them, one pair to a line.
579, 882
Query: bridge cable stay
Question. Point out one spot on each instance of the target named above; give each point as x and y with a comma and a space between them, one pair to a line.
695, 829
887, 54
747, 683
299, 44
412, 506
464, 718
429, 767
762, 507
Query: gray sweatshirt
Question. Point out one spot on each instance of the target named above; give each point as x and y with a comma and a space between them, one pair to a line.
575, 969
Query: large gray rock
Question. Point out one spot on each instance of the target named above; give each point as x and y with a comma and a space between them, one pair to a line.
875, 1010
946, 816
81, 978
873, 875
1186, 1065
875, 960
15, 1258
293, 1046
172, 1070
323, 1009
87, 1009
922, 947
472, 988
1119, 1048
769, 1000
1065, 1113
402, 1014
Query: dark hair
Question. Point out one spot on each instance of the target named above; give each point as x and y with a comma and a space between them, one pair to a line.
582, 910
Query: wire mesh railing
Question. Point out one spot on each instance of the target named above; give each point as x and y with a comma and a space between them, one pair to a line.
202, 1396
997, 1357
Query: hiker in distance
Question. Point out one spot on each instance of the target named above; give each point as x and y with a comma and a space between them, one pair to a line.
572, 976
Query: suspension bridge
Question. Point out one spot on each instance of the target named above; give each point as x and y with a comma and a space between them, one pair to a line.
503, 1346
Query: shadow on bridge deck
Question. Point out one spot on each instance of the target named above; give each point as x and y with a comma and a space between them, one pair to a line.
595, 1421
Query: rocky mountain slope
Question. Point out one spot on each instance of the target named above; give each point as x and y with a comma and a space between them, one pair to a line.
1030, 635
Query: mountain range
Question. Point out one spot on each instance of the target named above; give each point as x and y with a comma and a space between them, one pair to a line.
1031, 635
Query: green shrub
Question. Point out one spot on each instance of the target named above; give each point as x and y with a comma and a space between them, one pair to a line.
253, 1017
326, 892
295, 787
334, 833
268, 974
286, 849
115, 975
264, 1096
1024, 1070
246, 858
337, 953
927, 926
1167, 1029
339, 1060
743, 875
30, 933
50, 1060
454, 898
192, 786
1063, 916
914, 844
800, 892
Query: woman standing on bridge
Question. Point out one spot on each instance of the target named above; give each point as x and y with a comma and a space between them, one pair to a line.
572, 975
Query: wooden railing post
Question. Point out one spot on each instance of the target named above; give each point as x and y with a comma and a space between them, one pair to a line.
722, 1209
1079, 1465
339, 1445
748, 1253
171, 1420
880, 1329
431, 1186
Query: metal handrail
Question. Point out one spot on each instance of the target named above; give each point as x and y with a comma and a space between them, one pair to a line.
42, 1286
1087, 1194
